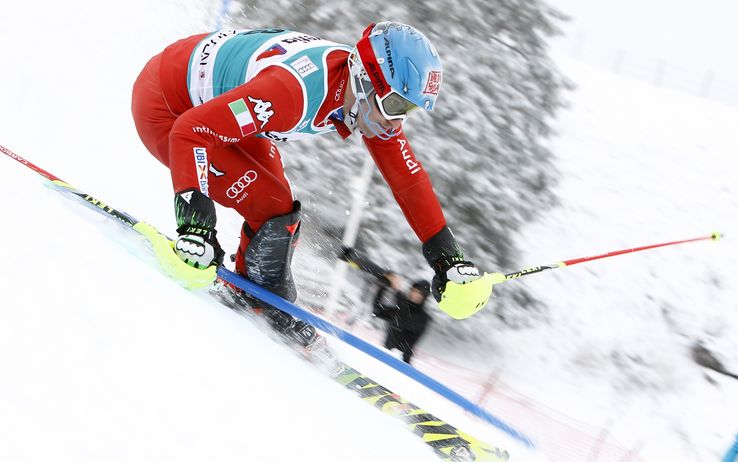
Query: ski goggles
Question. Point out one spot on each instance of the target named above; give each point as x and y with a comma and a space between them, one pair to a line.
394, 106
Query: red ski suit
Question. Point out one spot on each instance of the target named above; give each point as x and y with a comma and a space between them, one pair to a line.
245, 170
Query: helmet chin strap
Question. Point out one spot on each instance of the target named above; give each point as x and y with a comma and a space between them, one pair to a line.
351, 119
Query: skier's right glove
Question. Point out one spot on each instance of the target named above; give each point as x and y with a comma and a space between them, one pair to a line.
198, 247
197, 244
458, 286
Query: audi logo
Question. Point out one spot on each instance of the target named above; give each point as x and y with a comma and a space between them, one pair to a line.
242, 183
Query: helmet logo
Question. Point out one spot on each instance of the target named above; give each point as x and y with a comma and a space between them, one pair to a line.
377, 80
388, 52
434, 83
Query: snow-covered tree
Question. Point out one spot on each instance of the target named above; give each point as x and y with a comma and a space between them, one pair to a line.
484, 145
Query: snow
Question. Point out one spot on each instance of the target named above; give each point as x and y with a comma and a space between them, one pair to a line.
643, 165
103, 358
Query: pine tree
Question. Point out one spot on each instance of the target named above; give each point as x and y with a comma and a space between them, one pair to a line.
484, 145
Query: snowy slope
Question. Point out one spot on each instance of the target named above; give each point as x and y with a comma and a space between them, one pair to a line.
639, 165
102, 359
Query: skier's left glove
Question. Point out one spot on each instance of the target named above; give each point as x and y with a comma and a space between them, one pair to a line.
459, 287
459, 272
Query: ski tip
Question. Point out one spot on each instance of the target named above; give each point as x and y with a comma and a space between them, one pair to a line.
716, 236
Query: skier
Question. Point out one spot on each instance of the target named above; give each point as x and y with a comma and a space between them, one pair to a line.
404, 312
210, 108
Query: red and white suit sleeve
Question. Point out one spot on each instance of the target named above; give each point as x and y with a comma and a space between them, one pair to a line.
409, 183
274, 102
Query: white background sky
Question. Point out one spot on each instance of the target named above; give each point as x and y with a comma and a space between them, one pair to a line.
690, 36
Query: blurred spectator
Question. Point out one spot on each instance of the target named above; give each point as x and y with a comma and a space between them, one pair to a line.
404, 312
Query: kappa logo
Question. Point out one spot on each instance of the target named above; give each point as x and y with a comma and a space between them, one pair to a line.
241, 184
262, 109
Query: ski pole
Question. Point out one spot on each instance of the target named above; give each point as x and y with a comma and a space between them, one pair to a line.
101, 207
180, 271
190, 277
574, 261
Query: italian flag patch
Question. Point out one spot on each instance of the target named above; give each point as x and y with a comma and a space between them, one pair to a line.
243, 117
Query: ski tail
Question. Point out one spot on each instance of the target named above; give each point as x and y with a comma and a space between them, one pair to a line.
447, 441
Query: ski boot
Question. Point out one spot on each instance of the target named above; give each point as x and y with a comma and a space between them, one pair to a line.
305, 339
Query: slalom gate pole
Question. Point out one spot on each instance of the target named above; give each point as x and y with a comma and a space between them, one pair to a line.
732, 454
103, 208
161, 243
574, 261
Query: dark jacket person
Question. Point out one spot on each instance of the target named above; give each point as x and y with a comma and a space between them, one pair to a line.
404, 312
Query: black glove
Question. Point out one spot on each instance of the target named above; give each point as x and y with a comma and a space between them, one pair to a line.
197, 244
444, 255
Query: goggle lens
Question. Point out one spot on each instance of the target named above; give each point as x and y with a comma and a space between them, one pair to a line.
394, 106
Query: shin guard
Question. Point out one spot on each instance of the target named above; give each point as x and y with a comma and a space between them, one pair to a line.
268, 256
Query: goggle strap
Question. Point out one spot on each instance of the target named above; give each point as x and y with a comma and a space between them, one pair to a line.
371, 66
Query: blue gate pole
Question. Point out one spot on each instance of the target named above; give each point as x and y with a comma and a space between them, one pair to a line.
732, 454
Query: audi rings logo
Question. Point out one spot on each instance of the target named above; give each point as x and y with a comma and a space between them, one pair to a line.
239, 186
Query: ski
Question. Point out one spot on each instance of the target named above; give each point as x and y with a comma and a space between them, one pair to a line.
447, 441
